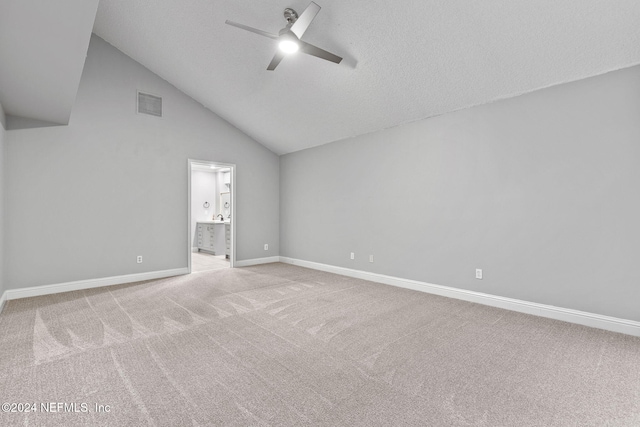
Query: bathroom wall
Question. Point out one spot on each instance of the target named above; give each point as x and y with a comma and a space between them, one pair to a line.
221, 188
204, 188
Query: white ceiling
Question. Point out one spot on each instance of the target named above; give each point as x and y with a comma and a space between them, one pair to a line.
403, 61
43, 46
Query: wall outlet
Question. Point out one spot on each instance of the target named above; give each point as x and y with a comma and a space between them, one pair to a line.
353, 256
266, 246
370, 258
139, 259
479, 273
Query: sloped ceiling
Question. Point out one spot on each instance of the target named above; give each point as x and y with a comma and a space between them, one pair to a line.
43, 46
404, 61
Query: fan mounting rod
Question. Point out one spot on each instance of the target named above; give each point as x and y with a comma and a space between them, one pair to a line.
290, 15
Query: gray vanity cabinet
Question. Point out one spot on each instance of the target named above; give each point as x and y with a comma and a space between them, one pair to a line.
205, 237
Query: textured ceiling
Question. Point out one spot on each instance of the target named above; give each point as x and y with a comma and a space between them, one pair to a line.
43, 45
403, 61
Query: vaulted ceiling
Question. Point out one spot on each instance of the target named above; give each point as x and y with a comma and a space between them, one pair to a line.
403, 61
43, 46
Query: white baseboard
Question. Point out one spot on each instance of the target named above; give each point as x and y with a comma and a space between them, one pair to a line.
256, 261
629, 327
35, 291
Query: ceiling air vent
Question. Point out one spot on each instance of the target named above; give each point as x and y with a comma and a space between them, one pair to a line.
149, 104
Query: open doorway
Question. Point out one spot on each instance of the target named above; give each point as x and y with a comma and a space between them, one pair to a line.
211, 216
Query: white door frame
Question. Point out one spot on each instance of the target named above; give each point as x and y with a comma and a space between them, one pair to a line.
232, 189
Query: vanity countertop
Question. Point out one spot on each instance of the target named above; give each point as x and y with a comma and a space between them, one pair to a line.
214, 222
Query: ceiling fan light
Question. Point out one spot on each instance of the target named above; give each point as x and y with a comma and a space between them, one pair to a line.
288, 46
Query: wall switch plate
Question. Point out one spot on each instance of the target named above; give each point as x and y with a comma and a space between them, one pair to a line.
479, 273
353, 255
139, 259
266, 246
370, 258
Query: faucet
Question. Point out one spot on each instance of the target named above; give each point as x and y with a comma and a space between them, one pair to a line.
221, 217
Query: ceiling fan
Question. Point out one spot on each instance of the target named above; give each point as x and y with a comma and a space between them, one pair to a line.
289, 37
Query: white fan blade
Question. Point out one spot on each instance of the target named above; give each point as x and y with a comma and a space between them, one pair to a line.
253, 30
302, 23
310, 49
276, 60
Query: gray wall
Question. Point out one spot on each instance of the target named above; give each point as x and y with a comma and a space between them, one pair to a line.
540, 191
85, 199
2, 196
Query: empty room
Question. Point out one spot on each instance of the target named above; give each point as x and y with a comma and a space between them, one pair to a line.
319, 213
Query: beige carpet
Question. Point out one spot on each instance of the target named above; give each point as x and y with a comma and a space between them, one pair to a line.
286, 346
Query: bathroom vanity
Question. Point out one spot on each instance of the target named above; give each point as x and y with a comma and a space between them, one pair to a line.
214, 237
205, 236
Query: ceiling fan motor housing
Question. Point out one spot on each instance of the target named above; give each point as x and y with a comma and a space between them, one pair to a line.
290, 15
